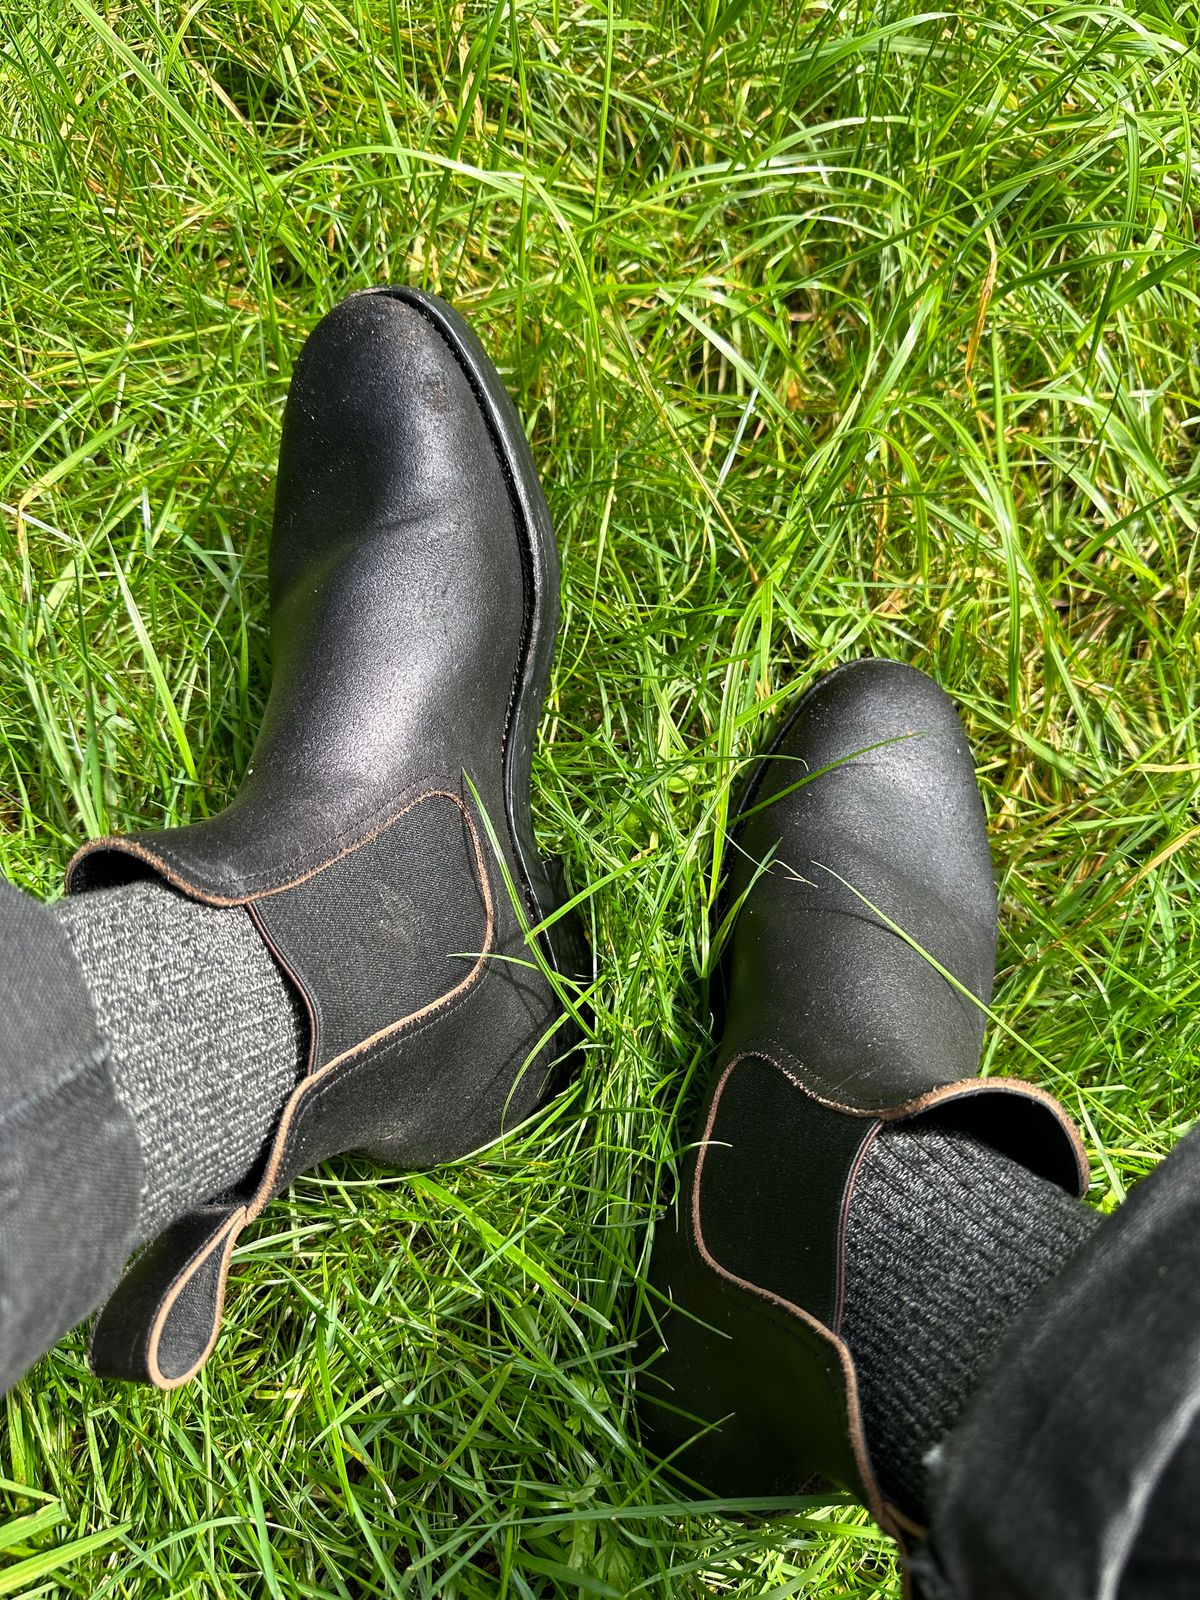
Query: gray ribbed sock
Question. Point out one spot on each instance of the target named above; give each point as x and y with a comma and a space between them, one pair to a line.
947, 1243
205, 1037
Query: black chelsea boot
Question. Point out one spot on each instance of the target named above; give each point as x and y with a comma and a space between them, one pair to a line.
859, 964
382, 838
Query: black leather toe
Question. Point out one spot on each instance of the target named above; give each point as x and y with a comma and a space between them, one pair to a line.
865, 819
396, 546
353, 459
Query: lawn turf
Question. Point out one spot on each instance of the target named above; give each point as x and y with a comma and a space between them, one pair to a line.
836, 329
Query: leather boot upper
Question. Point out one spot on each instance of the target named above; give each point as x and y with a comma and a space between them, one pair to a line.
853, 993
863, 953
866, 819
382, 839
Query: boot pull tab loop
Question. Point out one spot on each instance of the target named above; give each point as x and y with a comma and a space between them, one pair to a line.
161, 1322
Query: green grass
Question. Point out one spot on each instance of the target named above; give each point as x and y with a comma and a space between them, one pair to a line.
837, 329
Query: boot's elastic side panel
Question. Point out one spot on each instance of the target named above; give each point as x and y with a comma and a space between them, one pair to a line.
413, 901
744, 1177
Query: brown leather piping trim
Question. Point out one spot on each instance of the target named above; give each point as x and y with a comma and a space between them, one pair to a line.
1028, 1091
957, 1090
227, 1237
263, 1194
858, 1444
131, 847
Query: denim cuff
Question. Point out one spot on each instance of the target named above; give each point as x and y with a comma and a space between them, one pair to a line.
70, 1164
1072, 1471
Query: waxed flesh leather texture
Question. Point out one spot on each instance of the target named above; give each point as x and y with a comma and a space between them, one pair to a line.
884, 809
832, 1022
1073, 1472
397, 607
382, 836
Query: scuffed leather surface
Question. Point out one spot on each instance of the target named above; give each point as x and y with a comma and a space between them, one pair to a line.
1072, 1473
891, 806
397, 608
